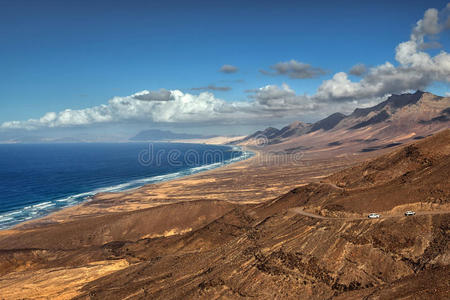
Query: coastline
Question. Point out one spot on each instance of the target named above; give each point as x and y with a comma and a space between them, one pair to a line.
255, 180
88, 197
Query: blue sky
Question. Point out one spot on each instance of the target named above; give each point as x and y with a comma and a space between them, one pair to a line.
78, 54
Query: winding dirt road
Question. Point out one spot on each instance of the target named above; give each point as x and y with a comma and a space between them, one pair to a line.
300, 211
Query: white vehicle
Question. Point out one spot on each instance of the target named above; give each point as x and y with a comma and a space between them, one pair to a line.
410, 213
373, 216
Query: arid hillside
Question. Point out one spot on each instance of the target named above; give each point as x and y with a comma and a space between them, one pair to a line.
415, 177
280, 250
314, 242
398, 120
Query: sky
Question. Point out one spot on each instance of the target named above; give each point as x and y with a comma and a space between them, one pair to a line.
116, 67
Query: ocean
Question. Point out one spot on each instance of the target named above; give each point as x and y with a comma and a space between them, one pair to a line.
37, 179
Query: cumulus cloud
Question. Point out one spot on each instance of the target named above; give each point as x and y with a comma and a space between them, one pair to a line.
271, 94
428, 25
432, 23
228, 69
281, 99
265, 102
379, 82
212, 87
416, 68
446, 14
161, 95
183, 108
294, 69
358, 69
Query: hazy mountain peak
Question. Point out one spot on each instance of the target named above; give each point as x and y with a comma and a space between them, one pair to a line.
329, 122
398, 101
158, 135
296, 124
394, 101
408, 112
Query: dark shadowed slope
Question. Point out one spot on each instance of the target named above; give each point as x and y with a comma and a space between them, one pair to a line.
395, 121
328, 123
265, 251
270, 251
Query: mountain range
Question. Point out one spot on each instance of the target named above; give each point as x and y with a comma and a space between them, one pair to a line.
396, 120
314, 242
270, 227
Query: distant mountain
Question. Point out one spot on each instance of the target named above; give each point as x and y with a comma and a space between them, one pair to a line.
274, 135
269, 133
328, 123
164, 135
65, 140
399, 110
294, 129
393, 102
8, 137
389, 123
36, 138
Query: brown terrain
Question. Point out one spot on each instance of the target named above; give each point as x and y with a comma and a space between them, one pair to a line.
289, 223
398, 120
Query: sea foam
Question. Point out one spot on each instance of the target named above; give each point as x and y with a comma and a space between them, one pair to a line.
29, 212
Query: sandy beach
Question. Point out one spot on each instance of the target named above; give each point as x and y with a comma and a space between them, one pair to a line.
225, 150
255, 180
264, 208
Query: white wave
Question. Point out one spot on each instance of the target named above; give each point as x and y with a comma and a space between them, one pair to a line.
38, 210
43, 205
11, 213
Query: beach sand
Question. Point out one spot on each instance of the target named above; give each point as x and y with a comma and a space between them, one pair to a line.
172, 219
255, 180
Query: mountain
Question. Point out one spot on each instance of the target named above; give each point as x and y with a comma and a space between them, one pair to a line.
164, 135
409, 108
398, 119
273, 135
294, 129
314, 242
328, 123
394, 102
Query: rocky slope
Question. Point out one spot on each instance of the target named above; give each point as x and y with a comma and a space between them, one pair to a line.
399, 119
314, 242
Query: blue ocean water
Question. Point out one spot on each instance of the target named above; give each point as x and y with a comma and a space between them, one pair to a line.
36, 179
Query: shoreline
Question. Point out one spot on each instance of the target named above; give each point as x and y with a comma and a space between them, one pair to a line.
247, 181
85, 198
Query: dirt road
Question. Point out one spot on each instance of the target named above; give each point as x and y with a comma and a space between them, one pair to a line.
300, 211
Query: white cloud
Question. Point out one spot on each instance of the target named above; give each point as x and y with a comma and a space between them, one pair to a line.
415, 69
267, 102
275, 98
212, 87
161, 95
428, 25
183, 108
358, 69
269, 94
228, 69
294, 69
